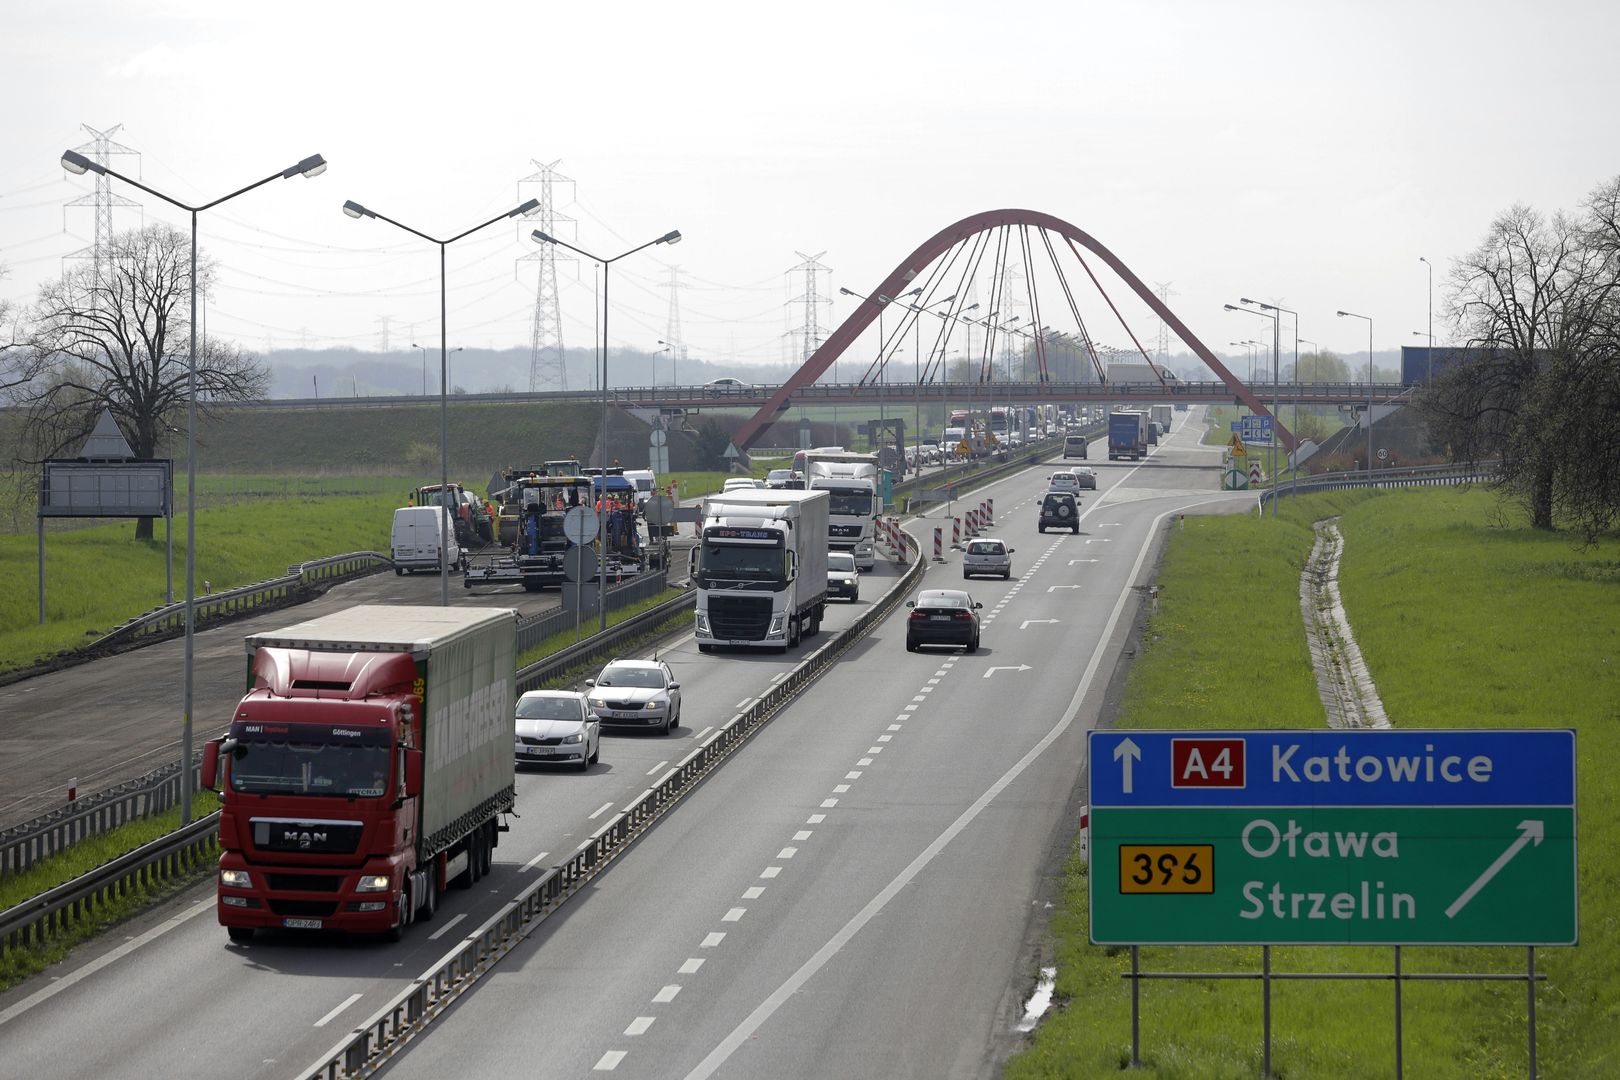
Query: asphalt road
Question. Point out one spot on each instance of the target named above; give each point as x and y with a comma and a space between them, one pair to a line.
850, 895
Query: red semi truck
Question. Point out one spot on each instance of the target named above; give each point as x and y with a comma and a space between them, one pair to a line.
365, 769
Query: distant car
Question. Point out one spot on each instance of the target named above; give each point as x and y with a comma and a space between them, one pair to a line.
717, 387
1060, 510
843, 577
742, 483
1067, 480
636, 693
987, 556
943, 617
1087, 477
556, 726
778, 478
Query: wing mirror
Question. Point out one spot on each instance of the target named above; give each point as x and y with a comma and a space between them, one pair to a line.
674, 686
911, 603
590, 682
976, 607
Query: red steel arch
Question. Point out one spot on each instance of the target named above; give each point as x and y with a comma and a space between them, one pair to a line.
933, 248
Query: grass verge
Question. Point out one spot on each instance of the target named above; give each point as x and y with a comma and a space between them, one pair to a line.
1465, 621
17, 964
557, 642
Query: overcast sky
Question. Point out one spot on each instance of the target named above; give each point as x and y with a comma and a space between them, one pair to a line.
1306, 153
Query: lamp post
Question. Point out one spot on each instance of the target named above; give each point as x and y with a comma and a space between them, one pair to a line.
671, 237
77, 163
1368, 318
1298, 341
355, 210
1276, 405
414, 345
674, 357
1429, 376
1276, 399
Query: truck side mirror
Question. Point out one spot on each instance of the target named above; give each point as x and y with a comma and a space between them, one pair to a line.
210, 765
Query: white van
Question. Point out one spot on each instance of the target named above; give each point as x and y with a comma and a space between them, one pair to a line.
645, 482
416, 538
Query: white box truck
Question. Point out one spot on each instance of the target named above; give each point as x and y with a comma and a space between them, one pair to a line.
762, 568
851, 481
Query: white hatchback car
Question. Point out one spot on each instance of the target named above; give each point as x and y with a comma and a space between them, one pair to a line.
554, 726
1064, 481
987, 556
636, 693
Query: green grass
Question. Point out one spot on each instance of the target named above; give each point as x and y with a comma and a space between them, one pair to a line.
557, 642
18, 964
1464, 622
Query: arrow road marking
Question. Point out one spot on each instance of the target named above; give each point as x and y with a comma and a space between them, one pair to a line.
1027, 622
1054, 588
1129, 752
1529, 831
1020, 667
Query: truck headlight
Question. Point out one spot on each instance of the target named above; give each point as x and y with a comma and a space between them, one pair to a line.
703, 623
777, 622
235, 879
373, 883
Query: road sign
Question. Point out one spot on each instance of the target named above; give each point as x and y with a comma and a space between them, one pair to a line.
1254, 472
580, 564
1237, 447
1383, 454
1255, 428
1333, 837
580, 525
660, 510
657, 437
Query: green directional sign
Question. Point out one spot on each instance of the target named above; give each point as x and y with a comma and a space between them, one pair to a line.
1366, 837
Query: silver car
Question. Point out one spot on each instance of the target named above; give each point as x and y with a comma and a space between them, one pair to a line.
554, 726
987, 556
636, 693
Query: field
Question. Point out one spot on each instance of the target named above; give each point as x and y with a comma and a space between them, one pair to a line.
1467, 618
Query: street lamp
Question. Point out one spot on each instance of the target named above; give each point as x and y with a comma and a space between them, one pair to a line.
671, 237
1429, 377
1276, 400
1368, 318
414, 345
355, 210
77, 163
1276, 406
674, 357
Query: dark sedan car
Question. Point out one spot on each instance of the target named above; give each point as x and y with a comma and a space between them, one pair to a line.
943, 617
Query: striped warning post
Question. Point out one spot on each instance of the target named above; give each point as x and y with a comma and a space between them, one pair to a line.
990, 511
899, 541
939, 543
956, 533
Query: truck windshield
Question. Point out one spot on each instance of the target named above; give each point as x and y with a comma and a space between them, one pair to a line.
740, 562
849, 503
299, 762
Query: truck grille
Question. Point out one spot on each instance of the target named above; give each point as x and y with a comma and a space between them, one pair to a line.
304, 882
740, 618
287, 834
844, 530
316, 909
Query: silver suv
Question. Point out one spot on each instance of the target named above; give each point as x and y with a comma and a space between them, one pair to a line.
987, 556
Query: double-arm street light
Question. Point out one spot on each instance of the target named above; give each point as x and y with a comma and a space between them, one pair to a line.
1429, 378
75, 162
1276, 400
1368, 318
355, 210
1276, 406
671, 237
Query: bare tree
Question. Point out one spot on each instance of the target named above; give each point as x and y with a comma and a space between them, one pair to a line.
1535, 304
120, 341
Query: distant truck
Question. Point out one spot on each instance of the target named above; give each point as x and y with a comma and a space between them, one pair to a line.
1161, 415
851, 480
1127, 435
761, 571
469, 513
1131, 374
366, 768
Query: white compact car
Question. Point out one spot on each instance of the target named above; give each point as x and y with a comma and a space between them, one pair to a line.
987, 556
843, 576
636, 693
1064, 481
554, 726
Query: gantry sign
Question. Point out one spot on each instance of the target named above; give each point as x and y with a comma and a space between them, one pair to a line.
1333, 837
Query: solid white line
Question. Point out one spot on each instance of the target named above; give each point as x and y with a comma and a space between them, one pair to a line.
531, 863
734, 915
666, 995
766, 1009
441, 931
609, 1061
639, 1025
691, 966
600, 810
656, 767
96, 965
333, 1015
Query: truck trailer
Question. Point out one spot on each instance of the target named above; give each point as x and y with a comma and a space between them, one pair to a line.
761, 573
1127, 435
365, 769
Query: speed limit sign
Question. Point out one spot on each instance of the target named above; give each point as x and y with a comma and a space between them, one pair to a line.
1383, 455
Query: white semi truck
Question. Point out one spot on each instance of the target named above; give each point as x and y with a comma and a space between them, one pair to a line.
762, 568
851, 481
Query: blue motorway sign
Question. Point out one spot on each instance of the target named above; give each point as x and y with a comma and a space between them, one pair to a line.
1254, 428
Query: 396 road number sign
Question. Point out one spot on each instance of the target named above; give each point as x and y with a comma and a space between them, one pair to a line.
1333, 837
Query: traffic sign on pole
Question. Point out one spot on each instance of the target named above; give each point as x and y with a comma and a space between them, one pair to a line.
1333, 837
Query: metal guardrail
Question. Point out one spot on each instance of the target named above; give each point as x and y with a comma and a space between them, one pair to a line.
35, 920
375, 1042
542, 671
51, 833
171, 618
535, 629
1418, 476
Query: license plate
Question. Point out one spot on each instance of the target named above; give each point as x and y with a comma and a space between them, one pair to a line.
538, 751
301, 924
939, 618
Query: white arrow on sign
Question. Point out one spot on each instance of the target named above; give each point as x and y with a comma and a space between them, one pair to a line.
1027, 622
1529, 832
1054, 588
1127, 751
1020, 667
1073, 561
